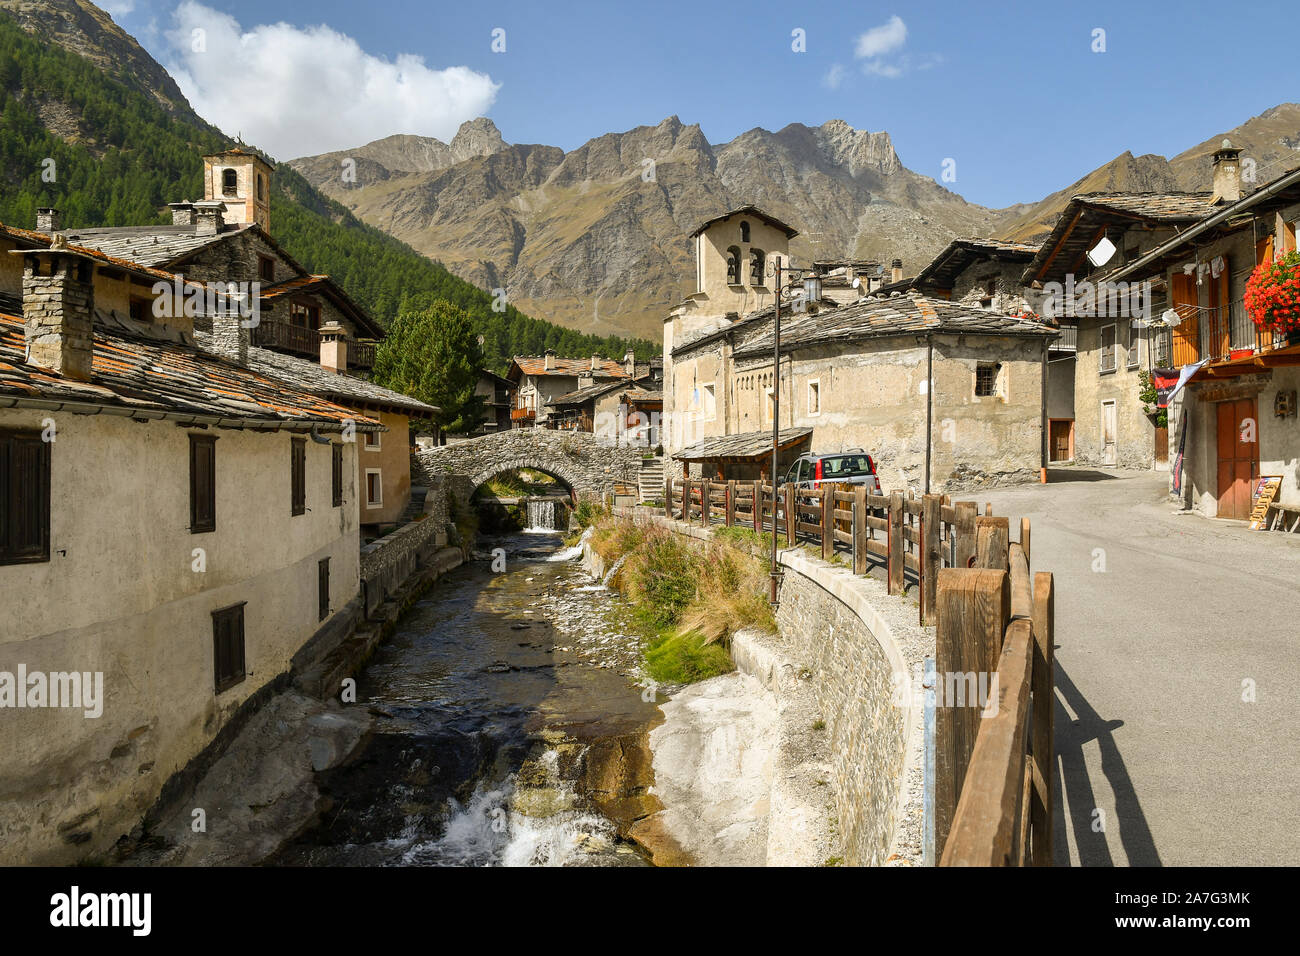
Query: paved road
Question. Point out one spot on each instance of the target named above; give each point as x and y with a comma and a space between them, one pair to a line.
1152, 734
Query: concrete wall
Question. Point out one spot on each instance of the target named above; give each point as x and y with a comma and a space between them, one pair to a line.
872, 395
120, 594
392, 458
1135, 431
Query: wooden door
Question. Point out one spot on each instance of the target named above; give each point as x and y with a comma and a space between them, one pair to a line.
1162, 444
1109, 453
1060, 434
1238, 453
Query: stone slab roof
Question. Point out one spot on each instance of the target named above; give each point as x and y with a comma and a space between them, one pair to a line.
944, 268
748, 445
155, 376
747, 210
345, 389
536, 365
897, 315
149, 245
578, 396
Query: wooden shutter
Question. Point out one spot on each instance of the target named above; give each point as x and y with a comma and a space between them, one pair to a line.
323, 587
1263, 253
228, 647
24, 498
336, 476
298, 475
1187, 348
203, 483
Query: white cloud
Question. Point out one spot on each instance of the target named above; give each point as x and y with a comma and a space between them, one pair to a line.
881, 68
886, 38
117, 8
834, 77
296, 92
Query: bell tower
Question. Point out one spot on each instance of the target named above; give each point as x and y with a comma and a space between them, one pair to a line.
241, 180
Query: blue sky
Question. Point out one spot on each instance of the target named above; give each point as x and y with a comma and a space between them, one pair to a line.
1013, 92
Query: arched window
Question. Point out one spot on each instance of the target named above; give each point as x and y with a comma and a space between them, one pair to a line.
744, 231
229, 181
733, 266
757, 266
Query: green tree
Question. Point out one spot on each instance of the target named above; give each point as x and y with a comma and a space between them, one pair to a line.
433, 354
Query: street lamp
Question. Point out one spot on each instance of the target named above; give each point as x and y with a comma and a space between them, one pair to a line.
811, 282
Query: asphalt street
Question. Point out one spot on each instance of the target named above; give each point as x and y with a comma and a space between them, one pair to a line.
1177, 667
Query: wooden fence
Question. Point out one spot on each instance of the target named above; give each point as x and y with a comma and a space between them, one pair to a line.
911, 536
993, 642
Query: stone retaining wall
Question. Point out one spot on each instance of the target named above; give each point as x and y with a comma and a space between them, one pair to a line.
855, 645
392, 559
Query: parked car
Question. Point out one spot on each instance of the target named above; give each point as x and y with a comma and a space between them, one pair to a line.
853, 467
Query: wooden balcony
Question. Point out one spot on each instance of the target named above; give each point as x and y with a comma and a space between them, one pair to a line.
287, 338
361, 354
522, 414
1219, 335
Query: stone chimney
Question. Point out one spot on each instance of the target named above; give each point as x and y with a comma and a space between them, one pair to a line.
548, 360
896, 271
595, 362
182, 213
334, 347
629, 362
586, 380
208, 217
58, 309
1227, 174
230, 336
48, 220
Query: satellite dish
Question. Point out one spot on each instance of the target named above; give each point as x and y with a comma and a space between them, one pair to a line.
1171, 318
1101, 253
857, 281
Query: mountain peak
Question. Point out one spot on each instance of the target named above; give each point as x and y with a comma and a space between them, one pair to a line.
476, 137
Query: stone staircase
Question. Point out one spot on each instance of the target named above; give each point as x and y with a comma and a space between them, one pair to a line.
415, 507
650, 480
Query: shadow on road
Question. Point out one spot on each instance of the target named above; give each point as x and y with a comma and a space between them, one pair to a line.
1060, 475
1076, 788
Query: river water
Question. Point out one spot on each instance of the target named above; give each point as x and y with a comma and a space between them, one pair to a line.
510, 727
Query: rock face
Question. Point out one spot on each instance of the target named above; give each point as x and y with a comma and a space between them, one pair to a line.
596, 237
83, 28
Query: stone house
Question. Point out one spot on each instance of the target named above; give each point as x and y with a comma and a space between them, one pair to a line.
176, 527
1235, 419
1111, 425
870, 375
497, 393
538, 380
226, 237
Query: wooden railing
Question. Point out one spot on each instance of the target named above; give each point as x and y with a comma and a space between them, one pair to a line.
993, 800
1218, 334
993, 753
911, 537
361, 354
290, 338
522, 414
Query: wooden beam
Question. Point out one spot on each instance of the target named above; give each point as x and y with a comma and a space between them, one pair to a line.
1044, 708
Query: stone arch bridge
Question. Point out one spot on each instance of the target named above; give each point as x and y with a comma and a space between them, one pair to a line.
587, 465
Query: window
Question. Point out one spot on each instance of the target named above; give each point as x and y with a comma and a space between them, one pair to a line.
373, 441
261, 186
708, 400
733, 266
304, 315
986, 379
229, 182
1107, 356
323, 587
814, 398
990, 290
203, 483
336, 475
298, 475
1134, 335
141, 310
266, 268
744, 231
374, 488
24, 497
228, 646
757, 266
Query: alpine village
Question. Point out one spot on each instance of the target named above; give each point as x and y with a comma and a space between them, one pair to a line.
470, 503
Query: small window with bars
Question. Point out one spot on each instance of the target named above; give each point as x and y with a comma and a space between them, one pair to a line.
336, 475
203, 483
323, 587
986, 379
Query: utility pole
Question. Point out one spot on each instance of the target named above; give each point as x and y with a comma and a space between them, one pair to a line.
776, 420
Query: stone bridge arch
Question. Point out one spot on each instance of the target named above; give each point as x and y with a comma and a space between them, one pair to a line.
589, 465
